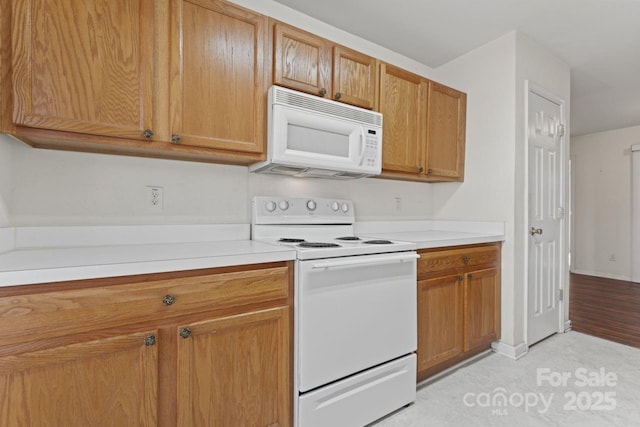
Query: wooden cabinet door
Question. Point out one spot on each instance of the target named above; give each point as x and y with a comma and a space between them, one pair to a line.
482, 308
354, 77
446, 128
236, 371
218, 80
439, 320
111, 381
301, 61
84, 66
403, 107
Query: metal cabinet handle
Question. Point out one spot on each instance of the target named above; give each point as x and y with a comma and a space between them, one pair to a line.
338, 95
470, 276
535, 231
460, 277
420, 169
148, 133
323, 91
175, 138
185, 333
168, 299
150, 340
430, 171
465, 259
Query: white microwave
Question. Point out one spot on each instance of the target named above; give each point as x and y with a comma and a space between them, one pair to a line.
309, 136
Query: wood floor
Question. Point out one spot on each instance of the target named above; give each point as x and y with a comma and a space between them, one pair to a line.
605, 308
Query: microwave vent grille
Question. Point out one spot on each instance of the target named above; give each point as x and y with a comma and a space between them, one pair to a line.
312, 103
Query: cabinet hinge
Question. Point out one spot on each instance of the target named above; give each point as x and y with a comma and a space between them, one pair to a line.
561, 294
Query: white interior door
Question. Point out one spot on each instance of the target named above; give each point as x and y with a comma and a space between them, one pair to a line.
546, 214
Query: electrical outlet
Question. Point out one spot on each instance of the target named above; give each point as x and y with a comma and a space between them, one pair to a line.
155, 198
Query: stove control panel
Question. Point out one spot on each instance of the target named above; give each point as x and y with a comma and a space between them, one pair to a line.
301, 210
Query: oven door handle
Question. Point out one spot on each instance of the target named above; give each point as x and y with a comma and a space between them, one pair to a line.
366, 260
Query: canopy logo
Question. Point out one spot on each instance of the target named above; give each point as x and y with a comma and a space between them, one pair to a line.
499, 400
586, 391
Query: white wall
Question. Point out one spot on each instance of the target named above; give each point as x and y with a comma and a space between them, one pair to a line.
601, 165
65, 188
5, 179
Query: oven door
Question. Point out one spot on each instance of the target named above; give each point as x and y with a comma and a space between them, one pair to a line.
353, 313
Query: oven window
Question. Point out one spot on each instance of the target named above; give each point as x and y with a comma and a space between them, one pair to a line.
310, 140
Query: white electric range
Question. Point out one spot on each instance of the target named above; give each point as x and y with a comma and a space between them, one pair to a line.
355, 312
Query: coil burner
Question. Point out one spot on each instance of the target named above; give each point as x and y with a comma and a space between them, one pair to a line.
318, 245
378, 242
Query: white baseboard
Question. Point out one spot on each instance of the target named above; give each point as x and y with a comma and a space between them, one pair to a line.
510, 351
567, 326
605, 275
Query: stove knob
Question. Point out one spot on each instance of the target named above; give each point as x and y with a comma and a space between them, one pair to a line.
270, 206
311, 205
284, 205
345, 207
335, 206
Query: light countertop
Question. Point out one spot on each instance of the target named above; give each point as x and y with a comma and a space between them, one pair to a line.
31, 255
155, 254
435, 238
434, 234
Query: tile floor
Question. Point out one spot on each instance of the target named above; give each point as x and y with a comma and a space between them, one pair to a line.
601, 387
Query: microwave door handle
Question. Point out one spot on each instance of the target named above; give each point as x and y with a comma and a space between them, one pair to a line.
362, 139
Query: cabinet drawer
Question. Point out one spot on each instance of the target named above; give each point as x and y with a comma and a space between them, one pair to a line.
457, 259
51, 314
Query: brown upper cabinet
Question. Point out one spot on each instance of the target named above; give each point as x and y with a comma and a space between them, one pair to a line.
446, 128
218, 81
403, 106
188, 79
180, 79
84, 67
308, 63
424, 127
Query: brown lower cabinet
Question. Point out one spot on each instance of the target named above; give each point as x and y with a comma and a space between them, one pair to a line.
458, 304
205, 348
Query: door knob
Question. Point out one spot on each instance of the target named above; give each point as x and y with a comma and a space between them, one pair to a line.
535, 231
